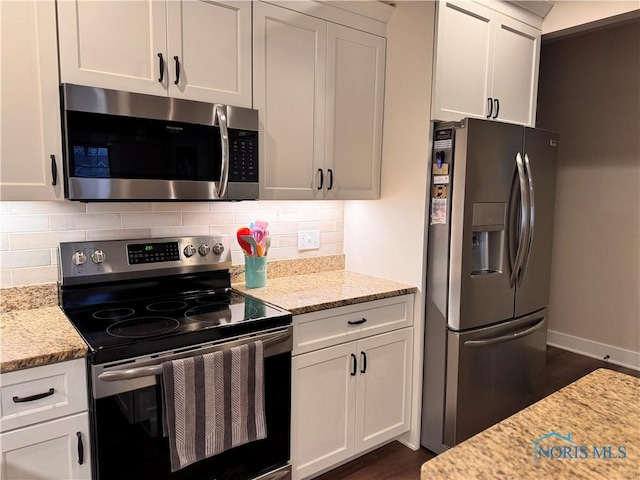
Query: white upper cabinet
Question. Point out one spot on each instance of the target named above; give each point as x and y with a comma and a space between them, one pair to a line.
355, 82
212, 41
486, 64
191, 49
113, 45
515, 71
464, 58
30, 143
289, 94
319, 88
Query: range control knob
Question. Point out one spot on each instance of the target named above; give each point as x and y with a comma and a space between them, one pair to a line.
189, 251
98, 256
218, 248
204, 249
78, 258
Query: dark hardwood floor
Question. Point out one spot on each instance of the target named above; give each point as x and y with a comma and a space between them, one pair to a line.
397, 462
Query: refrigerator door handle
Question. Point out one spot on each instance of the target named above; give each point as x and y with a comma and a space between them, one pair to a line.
524, 220
532, 211
505, 338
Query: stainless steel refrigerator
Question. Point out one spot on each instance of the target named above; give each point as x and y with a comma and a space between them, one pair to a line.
488, 268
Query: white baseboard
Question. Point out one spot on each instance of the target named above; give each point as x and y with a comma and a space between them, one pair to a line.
589, 348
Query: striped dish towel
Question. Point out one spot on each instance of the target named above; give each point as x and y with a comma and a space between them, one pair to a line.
213, 402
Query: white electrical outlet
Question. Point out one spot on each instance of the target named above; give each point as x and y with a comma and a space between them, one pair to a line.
309, 240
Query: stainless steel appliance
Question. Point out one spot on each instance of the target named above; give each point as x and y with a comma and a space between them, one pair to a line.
139, 303
488, 267
127, 146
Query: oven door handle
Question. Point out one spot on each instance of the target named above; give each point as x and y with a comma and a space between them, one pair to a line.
156, 369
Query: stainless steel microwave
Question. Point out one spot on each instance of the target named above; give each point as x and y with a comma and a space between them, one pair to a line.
122, 146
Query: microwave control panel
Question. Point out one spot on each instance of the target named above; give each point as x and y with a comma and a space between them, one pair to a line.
243, 156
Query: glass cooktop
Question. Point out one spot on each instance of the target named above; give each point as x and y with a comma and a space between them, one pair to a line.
136, 327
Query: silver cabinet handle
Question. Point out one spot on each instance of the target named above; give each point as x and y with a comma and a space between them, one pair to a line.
505, 338
221, 114
524, 220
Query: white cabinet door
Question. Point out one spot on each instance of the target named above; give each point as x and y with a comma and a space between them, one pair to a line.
212, 43
355, 78
464, 59
384, 387
515, 70
51, 449
114, 45
486, 65
30, 143
349, 398
323, 409
289, 57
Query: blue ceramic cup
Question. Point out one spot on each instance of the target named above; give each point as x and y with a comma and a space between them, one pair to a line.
255, 271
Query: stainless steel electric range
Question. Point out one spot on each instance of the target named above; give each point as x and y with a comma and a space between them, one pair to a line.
139, 303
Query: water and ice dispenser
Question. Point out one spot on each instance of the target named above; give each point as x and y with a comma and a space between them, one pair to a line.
488, 240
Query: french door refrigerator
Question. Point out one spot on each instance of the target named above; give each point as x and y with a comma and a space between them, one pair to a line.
488, 268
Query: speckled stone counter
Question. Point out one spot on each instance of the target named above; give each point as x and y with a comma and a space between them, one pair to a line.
29, 338
28, 297
570, 432
318, 291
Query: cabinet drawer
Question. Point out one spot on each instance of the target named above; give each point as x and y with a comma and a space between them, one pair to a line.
62, 386
325, 328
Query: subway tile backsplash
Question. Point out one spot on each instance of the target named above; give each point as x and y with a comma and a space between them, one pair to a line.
31, 231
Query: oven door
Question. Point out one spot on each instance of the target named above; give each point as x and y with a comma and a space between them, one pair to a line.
127, 426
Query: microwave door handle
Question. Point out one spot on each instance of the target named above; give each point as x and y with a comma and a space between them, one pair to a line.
224, 140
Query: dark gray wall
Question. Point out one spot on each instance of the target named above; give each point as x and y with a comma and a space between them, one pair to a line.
589, 92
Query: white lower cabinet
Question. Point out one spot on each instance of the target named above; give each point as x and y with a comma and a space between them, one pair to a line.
58, 449
350, 397
45, 423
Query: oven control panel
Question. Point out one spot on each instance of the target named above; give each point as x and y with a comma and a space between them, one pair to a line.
108, 260
153, 252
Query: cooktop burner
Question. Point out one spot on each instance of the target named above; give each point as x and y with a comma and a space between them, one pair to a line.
142, 327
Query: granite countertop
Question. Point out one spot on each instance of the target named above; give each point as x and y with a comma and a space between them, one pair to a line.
318, 291
30, 338
34, 332
598, 413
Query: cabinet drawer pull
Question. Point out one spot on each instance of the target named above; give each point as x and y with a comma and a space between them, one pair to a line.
490, 103
321, 178
357, 322
54, 171
161, 79
330, 179
34, 397
364, 362
354, 365
80, 448
497, 108
177, 81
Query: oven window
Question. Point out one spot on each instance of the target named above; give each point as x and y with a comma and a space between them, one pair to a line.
129, 442
110, 146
